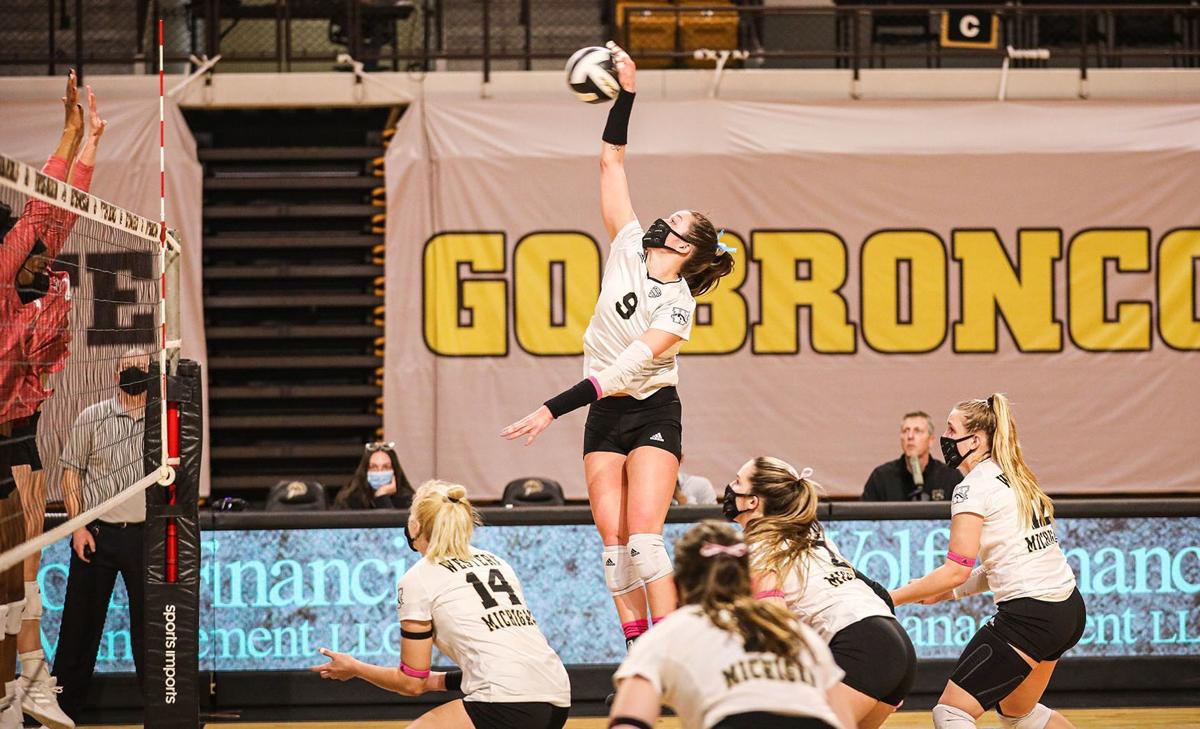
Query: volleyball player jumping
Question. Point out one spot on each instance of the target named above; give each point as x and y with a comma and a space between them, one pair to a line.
725, 660
1001, 517
797, 564
633, 437
471, 604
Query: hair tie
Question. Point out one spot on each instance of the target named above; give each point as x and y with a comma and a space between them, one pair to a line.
989, 401
710, 549
721, 247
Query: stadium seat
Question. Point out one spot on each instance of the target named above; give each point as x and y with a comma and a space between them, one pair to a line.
533, 492
649, 31
712, 29
296, 496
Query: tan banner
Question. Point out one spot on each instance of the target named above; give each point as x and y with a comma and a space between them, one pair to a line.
891, 257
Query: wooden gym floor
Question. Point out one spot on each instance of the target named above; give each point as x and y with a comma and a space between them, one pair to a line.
1173, 718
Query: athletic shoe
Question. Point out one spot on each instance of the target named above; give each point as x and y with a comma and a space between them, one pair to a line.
10, 716
39, 699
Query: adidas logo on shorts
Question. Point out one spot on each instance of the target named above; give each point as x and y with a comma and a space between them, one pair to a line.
657, 437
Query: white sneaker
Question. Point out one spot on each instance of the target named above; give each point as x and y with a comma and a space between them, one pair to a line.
39, 699
10, 717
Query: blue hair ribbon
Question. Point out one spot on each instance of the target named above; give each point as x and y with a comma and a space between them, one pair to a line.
721, 246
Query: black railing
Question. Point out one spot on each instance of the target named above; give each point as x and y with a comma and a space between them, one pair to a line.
285, 35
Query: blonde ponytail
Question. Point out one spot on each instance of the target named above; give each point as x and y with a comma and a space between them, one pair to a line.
788, 528
447, 519
993, 417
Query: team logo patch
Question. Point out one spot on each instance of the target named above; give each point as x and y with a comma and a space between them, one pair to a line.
642, 256
680, 316
399, 597
655, 292
960, 493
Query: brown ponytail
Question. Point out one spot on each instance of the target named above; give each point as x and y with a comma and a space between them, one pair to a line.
720, 585
707, 264
993, 418
788, 528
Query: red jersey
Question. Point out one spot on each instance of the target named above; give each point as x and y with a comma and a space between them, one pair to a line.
34, 336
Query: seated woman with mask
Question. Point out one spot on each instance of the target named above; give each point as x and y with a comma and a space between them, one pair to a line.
378, 482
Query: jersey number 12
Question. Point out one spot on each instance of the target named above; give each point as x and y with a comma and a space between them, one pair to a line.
497, 583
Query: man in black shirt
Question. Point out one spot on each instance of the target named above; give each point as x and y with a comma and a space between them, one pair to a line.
894, 481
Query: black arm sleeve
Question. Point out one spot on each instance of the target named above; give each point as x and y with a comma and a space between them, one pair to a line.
454, 680
580, 394
616, 131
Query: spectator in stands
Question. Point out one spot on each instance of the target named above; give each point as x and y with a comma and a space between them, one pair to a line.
101, 459
693, 490
914, 476
378, 483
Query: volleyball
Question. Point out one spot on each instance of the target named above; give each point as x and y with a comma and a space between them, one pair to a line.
592, 76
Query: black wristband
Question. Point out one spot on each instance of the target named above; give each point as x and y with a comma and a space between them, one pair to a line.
616, 131
622, 721
454, 680
580, 394
414, 635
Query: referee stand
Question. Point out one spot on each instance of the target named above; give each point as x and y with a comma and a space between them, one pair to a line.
171, 689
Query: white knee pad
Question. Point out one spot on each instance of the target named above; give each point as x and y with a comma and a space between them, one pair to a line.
949, 717
33, 602
1037, 718
650, 556
12, 621
619, 573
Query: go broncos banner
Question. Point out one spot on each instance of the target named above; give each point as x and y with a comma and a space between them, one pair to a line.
890, 257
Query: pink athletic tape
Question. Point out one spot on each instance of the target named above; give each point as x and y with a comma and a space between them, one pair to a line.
768, 593
413, 672
956, 557
596, 384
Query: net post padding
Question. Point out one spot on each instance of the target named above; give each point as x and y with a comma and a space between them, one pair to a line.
172, 623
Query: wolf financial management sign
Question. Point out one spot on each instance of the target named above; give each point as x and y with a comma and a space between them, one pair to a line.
271, 599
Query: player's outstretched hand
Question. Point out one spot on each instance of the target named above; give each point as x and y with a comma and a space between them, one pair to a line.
531, 425
71, 100
96, 124
341, 666
626, 69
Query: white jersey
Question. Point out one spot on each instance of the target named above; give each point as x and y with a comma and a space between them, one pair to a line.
705, 673
1018, 560
482, 622
630, 303
823, 591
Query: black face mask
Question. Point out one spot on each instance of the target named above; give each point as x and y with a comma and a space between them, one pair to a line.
729, 504
657, 234
408, 537
134, 381
950, 450
35, 290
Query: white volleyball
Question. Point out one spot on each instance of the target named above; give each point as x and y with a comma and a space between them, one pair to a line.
592, 76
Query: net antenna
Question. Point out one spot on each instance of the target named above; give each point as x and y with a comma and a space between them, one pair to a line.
721, 58
1018, 54
103, 232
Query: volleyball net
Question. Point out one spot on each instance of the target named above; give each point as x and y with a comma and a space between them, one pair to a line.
90, 321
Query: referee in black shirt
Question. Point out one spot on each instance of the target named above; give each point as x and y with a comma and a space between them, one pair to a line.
915, 475
102, 458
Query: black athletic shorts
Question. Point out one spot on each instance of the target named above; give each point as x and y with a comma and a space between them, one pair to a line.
767, 720
620, 424
1041, 630
878, 658
23, 443
516, 715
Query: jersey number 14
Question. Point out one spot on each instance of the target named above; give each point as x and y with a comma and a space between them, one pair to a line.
497, 583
